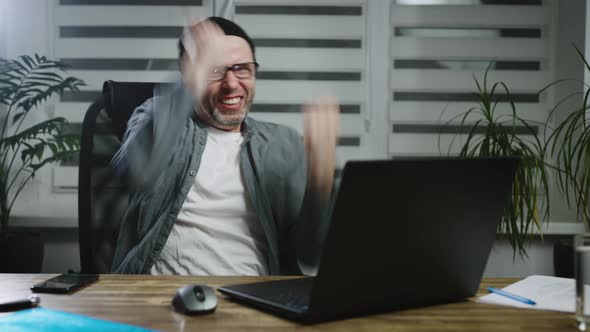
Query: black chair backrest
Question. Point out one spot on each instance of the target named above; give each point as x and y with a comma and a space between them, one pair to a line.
102, 197
121, 99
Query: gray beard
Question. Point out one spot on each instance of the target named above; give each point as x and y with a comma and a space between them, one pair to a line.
222, 120
216, 115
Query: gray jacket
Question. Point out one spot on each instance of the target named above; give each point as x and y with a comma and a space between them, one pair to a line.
165, 147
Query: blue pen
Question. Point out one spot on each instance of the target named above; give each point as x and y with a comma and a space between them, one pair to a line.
511, 296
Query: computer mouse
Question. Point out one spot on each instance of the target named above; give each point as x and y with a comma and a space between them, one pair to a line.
195, 299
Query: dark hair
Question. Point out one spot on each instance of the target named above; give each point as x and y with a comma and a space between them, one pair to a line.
229, 28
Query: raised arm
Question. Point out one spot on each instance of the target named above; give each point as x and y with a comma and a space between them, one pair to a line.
321, 132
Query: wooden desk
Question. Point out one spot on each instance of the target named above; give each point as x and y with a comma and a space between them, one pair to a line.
145, 301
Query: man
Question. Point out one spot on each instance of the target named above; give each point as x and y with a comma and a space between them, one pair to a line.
216, 192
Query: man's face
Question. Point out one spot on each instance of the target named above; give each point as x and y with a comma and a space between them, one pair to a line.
226, 102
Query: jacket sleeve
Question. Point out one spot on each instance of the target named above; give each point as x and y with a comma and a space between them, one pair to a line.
137, 143
152, 132
135, 150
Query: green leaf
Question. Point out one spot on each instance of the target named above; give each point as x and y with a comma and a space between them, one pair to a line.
499, 139
570, 145
29, 81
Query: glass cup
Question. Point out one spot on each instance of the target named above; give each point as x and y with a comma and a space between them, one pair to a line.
582, 276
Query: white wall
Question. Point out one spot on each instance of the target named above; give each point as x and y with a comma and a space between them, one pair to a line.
26, 26
2, 30
502, 263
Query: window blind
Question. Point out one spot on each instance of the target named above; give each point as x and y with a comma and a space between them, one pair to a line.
437, 47
308, 48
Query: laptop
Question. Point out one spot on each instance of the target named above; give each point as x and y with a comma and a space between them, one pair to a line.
404, 233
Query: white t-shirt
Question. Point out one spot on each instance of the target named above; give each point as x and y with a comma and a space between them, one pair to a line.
217, 231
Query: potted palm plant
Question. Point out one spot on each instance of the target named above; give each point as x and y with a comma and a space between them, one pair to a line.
488, 133
569, 144
25, 147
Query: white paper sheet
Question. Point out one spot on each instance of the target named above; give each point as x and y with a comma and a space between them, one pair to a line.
549, 293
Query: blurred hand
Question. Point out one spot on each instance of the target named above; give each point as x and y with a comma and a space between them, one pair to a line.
321, 121
202, 41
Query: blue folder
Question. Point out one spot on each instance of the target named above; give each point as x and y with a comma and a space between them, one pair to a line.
47, 320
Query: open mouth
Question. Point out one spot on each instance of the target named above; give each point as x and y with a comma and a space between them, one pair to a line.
230, 102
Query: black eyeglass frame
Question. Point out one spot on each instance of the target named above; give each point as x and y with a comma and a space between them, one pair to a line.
234, 68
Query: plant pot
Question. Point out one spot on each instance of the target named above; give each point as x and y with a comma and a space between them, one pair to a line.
21, 252
563, 258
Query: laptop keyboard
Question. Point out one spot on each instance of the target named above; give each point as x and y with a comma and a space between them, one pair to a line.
292, 293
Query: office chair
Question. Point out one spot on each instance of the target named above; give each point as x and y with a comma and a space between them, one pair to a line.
103, 197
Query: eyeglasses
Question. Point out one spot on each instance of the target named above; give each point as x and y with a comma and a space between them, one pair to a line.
241, 70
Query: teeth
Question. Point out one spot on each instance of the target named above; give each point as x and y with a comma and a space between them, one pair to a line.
231, 101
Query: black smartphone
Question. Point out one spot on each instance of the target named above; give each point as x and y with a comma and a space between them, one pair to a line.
64, 283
